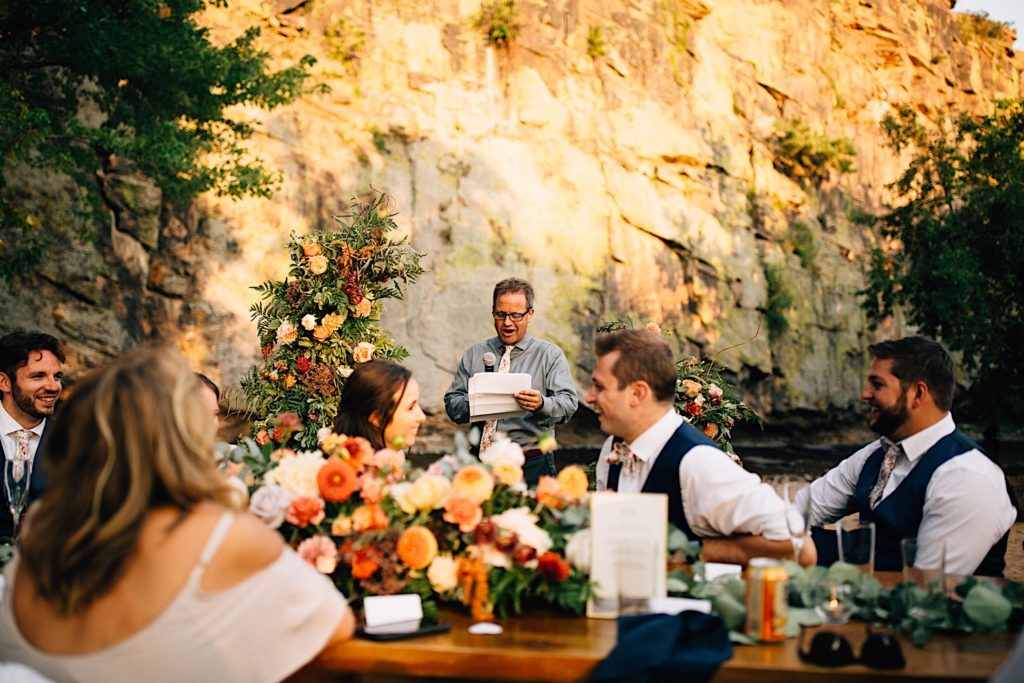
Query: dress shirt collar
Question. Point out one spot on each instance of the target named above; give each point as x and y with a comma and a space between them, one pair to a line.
918, 444
8, 424
523, 344
648, 445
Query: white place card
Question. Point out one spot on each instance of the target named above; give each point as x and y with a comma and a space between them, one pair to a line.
392, 613
713, 570
677, 605
628, 534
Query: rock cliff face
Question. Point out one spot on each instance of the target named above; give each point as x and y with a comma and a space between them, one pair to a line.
618, 154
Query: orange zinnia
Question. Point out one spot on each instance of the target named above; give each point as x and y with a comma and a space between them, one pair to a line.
417, 547
369, 517
337, 480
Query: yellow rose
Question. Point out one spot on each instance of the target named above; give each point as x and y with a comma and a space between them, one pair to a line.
318, 265
428, 492
341, 526
322, 332
475, 482
573, 481
507, 473
363, 308
363, 352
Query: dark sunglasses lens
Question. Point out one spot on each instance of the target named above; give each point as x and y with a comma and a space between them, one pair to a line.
830, 649
882, 651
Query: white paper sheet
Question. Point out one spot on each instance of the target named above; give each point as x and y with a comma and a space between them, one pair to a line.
492, 395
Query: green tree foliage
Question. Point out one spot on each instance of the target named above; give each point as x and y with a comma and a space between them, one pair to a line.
956, 261
84, 80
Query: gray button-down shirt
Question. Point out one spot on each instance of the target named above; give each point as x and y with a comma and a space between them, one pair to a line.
549, 370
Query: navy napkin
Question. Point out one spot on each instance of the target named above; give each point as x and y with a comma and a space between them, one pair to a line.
689, 646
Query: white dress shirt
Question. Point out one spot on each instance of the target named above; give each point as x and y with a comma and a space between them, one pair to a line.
965, 505
8, 425
720, 498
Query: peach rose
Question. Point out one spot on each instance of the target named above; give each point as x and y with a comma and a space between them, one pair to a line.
443, 573
475, 482
310, 249
320, 552
462, 511
363, 352
654, 328
322, 333
363, 309
341, 526
417, 547
691, 388
370, 490
369, 517
710, 430
304, 511
549, 493
573, 481
318, 265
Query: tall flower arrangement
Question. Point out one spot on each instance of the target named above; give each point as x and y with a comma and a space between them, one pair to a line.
464, 530
318, 322
703, 397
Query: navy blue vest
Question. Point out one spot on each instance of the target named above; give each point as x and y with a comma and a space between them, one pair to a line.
899, 514
664, 474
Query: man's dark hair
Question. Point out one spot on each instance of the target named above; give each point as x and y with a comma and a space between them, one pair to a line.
209, 384
919, 359
16, 347
513, 285
644, 356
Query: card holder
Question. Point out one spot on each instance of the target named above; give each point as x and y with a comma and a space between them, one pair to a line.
430, 629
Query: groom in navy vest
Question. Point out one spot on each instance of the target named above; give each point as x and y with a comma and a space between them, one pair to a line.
653, 450
923, 479
31, 375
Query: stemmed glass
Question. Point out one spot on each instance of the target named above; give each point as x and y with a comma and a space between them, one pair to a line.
17, 474
798, 513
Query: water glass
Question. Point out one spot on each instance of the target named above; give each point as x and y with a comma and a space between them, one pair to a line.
856, 544
636, 563
926, 596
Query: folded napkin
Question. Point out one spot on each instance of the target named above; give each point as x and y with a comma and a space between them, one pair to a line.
689, 646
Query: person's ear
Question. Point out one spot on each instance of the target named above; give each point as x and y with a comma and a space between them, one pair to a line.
374, 419
639, 391
5, 383
919, 394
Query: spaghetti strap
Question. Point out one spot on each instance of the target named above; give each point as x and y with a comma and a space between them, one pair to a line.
220, 530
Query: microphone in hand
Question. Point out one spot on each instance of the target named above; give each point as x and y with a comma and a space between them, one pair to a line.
489, 360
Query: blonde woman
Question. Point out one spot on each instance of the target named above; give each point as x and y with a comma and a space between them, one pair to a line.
134, 566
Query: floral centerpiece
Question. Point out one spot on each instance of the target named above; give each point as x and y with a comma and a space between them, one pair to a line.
319, 321
464, 530
703, 397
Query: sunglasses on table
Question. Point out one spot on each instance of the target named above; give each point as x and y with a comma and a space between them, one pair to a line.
830, 649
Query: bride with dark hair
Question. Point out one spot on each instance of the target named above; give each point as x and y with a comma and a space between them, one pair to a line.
134, 565
380, 402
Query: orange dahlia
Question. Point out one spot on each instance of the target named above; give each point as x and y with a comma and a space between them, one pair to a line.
337, 480
417, 547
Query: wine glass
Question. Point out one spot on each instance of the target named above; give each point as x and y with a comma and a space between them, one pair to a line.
17, 475
798, 513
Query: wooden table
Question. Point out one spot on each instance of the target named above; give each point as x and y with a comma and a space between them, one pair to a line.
552, 647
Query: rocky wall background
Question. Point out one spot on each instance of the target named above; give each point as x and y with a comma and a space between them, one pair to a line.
616, 153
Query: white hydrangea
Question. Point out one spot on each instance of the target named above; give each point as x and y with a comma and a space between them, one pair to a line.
503, 450
297, 475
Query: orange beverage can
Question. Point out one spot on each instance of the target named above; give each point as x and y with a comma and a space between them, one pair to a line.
766, 600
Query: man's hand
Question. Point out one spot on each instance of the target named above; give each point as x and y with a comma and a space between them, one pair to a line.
529, 399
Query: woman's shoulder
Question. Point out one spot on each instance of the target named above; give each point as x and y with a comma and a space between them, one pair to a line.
248, 547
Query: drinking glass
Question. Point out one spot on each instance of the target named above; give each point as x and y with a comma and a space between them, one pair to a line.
17, 474
926, 595
856, 544
798, 513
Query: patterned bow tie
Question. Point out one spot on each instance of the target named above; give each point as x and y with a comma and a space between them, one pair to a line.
621, 454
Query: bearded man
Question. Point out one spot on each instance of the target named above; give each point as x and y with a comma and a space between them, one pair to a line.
31, 379
923, 478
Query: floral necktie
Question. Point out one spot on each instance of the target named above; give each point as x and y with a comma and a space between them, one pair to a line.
892, 452
491, 425
622, 454
22, 454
